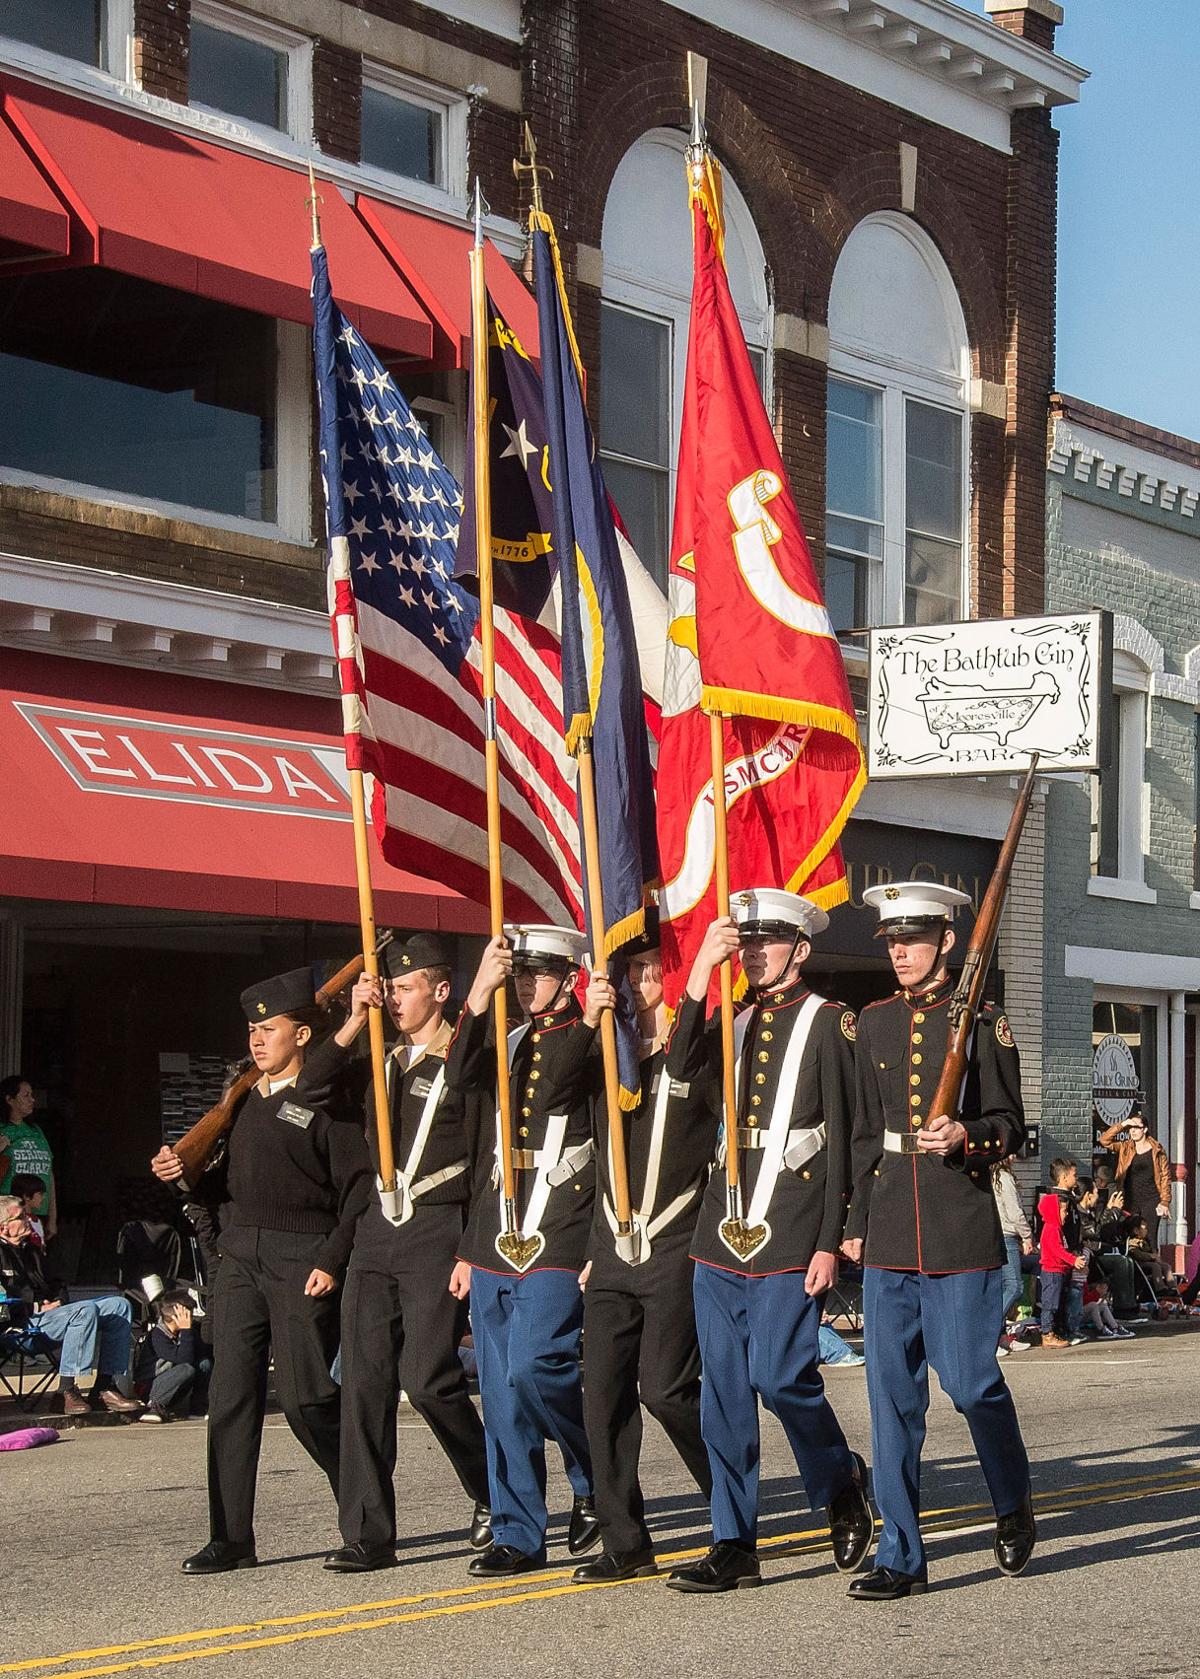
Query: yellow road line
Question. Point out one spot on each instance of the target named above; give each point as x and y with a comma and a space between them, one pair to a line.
812, 1539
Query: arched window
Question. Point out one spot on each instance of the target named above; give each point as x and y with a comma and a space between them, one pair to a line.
897, 484
645, 302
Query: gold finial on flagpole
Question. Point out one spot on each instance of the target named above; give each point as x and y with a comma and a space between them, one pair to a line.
533, 168
313, 201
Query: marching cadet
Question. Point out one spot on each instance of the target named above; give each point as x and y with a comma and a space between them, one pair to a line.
292, 1185
526, 1321
759, 1283
933, 1248
400, 1324
638, 1319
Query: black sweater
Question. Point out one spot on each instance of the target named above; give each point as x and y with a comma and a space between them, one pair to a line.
294, 1165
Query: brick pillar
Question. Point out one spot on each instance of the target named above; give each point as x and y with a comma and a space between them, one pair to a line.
337, 100
160, 47
1031, 238
801, 394
1020, 952
1033, 20
551, 93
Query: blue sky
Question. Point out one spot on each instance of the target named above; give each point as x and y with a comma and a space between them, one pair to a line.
1129, 210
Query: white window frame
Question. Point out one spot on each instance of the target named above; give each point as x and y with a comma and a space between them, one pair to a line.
453, 413
452, 107
297, 49
73, 72
887, 577
1131, 694
293, 451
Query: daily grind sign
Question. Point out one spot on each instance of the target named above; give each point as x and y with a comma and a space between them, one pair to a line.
979, 698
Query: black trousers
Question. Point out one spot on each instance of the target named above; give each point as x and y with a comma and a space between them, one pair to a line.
259, 1310
401, 1329
639, 1348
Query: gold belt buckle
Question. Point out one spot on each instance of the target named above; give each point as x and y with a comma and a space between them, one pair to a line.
909, 1142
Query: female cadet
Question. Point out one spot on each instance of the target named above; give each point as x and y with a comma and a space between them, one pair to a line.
291, 1188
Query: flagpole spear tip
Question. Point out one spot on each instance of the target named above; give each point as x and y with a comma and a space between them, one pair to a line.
699, 136
313, 204
479, 210
532, 168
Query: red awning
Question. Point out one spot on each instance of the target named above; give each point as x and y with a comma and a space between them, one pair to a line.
432, 256
30, 214
173, 208
140, 788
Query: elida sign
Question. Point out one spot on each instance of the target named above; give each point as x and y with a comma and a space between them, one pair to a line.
980, 698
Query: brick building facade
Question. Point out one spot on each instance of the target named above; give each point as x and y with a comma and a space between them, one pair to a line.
891, 175
1122, 888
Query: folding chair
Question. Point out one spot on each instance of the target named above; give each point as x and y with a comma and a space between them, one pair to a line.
844, 1299
27, 1348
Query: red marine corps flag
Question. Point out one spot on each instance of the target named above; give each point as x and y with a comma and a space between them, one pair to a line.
750, 640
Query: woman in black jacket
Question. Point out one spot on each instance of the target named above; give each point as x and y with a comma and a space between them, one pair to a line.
291, 1187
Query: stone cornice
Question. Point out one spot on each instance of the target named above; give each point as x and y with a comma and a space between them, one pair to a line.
1146, 475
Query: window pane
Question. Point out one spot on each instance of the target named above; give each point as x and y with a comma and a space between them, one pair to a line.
847, 590
855, 535
934, 471
641, 496
854, 451
932, 581
246, 78
113, 383
1106, 805
635, 385
758, 361
71, 27
403, 138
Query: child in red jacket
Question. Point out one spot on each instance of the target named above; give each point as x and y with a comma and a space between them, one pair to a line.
1062, 1264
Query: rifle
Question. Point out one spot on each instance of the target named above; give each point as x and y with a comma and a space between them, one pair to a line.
968, 994
197, 1147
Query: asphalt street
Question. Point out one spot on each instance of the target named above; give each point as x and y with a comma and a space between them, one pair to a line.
97, 1525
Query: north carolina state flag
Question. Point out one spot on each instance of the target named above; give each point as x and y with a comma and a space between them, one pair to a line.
749, 638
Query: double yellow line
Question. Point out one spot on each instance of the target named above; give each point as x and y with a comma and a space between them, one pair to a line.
470, 1599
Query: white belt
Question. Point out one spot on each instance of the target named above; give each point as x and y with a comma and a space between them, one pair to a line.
560, 1169
434, 1180
802, 1143
901, 1142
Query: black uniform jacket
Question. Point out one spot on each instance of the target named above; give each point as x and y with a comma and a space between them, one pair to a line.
454, 1136
924, 1212
296, 1162
688, 1142
808, 1206
552, 1072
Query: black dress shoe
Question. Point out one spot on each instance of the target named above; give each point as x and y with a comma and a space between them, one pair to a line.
221, 1556
882, 1585
1016, 1535
851, 1524
584, 1531
728, 1567
505, 1559
481, 1527
616, 1565
360, 1558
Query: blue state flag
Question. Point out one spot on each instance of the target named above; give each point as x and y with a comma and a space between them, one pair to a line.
602, 689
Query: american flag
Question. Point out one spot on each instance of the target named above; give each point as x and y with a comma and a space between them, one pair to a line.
408, 648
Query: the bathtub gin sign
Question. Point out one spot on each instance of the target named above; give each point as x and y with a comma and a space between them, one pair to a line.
979, 698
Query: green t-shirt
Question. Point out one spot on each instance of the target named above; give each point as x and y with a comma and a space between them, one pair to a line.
28, 1151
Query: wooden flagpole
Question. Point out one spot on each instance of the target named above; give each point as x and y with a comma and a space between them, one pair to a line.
509, 1242
716, 736
627, 1240
366, 916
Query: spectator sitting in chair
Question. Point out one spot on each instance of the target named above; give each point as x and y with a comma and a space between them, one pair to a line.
181, 1369
1146, 1258
30, 1191
89, 1334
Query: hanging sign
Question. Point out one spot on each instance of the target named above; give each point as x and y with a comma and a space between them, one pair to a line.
979, 698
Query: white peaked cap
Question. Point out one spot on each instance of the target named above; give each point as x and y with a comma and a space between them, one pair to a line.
526, 939
769, 903
915, 900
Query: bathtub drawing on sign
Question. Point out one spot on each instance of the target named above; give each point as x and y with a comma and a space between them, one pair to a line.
971, 708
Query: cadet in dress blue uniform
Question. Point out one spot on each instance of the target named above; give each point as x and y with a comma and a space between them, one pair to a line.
758, 1311
638, 1319
401, 1326
526, 1323
933, 1247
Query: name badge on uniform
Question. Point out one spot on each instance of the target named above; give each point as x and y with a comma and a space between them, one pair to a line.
681, 1087
296, 1115
421, 1088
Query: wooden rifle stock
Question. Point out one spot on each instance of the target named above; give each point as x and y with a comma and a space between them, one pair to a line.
197, 1147
968, 995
